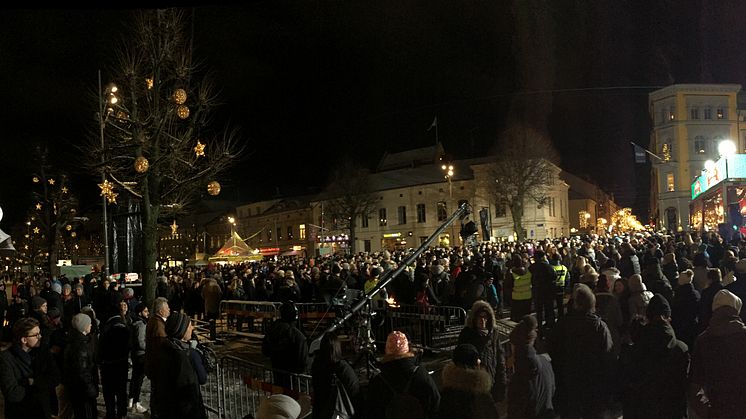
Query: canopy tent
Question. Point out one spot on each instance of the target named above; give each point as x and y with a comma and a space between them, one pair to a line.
6, 245
235, 250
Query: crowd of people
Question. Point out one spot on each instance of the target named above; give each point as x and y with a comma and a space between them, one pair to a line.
647, 325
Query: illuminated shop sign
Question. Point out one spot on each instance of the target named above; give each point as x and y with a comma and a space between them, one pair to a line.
736, 169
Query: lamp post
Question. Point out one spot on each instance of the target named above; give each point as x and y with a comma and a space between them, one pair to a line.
726, 148
448, 170
103, 115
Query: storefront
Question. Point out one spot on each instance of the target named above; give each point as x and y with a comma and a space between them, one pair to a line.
719, 197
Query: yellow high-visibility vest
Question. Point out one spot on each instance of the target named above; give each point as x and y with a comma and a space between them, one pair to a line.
521, 286
561, 272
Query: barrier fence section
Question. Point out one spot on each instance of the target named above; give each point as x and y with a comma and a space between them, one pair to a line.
433, 327
314, 318
256, 316
236, 387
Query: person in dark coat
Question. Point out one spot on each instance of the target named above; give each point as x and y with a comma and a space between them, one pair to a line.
543, 281
80, 375
481, 331
327, 363
670, 268
466, 388
738, 287
581, 350
285, 345
657, 371
113, 353
54, 297
532, 385
27, 374
707, 295
685, 309
398, 369
629, 264
180, 373
137, 352
717, 377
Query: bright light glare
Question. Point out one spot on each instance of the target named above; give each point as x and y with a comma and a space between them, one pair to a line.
709, 165
727, 148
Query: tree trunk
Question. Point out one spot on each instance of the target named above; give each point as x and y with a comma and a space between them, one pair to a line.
351, 242
516, 212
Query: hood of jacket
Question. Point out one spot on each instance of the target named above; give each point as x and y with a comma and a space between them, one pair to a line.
656, 338
725, 321
466, 379
478, 307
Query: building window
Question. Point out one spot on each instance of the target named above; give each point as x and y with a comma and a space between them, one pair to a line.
302, 231
442, 211
708, 113
290, 233
500, 210
671, 113
700, 145
366, 245
720, 113
279, 233
269, 235
364, 220
670, 185
694, 113
382, 221
401, 212
421, 213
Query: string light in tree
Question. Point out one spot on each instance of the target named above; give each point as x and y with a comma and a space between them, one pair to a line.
182, 111
180, 96
199, 149
35, 179
68, 227
141, 164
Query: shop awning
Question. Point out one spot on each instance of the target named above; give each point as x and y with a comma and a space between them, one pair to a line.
292, 253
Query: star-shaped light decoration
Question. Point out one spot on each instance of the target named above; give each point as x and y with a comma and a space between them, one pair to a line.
199, 149
106, 188
38, 206
64, 189
112, 197
174, 228
51, 181
36, 230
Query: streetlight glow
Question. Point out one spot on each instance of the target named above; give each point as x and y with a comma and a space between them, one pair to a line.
727, 148
709, 165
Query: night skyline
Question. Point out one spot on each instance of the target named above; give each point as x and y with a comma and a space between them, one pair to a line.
309, 84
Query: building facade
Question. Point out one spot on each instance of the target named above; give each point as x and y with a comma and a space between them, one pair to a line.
688, 123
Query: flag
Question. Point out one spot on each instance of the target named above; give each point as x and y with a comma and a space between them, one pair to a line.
434, 124
640, 156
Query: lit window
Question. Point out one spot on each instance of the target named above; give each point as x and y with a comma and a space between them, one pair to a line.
670, 186
666, 151
700, 145
382, 221
302, 231
720, 113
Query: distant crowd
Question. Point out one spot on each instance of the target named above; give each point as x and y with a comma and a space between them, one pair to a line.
644, 325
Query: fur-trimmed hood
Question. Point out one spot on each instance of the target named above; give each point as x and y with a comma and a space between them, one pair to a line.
466, 379
476, 308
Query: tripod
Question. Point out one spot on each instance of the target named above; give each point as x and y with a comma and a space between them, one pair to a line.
363, 341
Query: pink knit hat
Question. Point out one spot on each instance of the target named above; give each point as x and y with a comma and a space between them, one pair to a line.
397, 346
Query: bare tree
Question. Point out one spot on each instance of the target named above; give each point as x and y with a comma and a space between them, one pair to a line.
158, 146
522, 171
351, 196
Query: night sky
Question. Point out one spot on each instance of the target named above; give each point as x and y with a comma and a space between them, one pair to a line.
310, 83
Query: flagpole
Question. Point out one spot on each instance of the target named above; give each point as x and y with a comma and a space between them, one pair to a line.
437, 141
645, 150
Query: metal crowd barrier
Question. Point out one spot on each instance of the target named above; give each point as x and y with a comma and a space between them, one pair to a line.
504, 327
249, 317
314, 318
434, 327
236, 387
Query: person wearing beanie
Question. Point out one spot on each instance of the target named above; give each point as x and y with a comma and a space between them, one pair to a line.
583, 382
532, 385
707, 295
278, 406
738, 287
285, 345
465, 389
80, 373
718, 370
481, 331
179, 373
400, 375
639, 297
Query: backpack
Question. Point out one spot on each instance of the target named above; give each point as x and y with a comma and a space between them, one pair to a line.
403, 404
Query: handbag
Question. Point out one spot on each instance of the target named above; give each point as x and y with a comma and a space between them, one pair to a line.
341, 406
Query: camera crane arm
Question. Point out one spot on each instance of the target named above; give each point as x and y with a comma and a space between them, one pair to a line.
460, 213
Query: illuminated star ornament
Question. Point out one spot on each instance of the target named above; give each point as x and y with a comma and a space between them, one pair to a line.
199, 149
174, 228
107, 190
64, 189
51, 181
36, 230
38, 206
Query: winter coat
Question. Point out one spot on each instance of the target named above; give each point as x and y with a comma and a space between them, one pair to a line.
656, 381
286, 346
639, 297
392, 379
532, 386
114, 342
211, 293
155, 336
177, 382
719, 365
684, 311
543, 279
628, 265
607, 307
581, 350
79, 367
137, 337
22, 399
490, 351
465, 393
707, 296
671, 271
321, 374
739, 289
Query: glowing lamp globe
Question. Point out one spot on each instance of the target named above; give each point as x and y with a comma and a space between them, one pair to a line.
213, 188
141, 164
180, 96
182, 111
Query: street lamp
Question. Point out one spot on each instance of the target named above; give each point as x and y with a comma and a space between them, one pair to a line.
448, 170
103, 114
